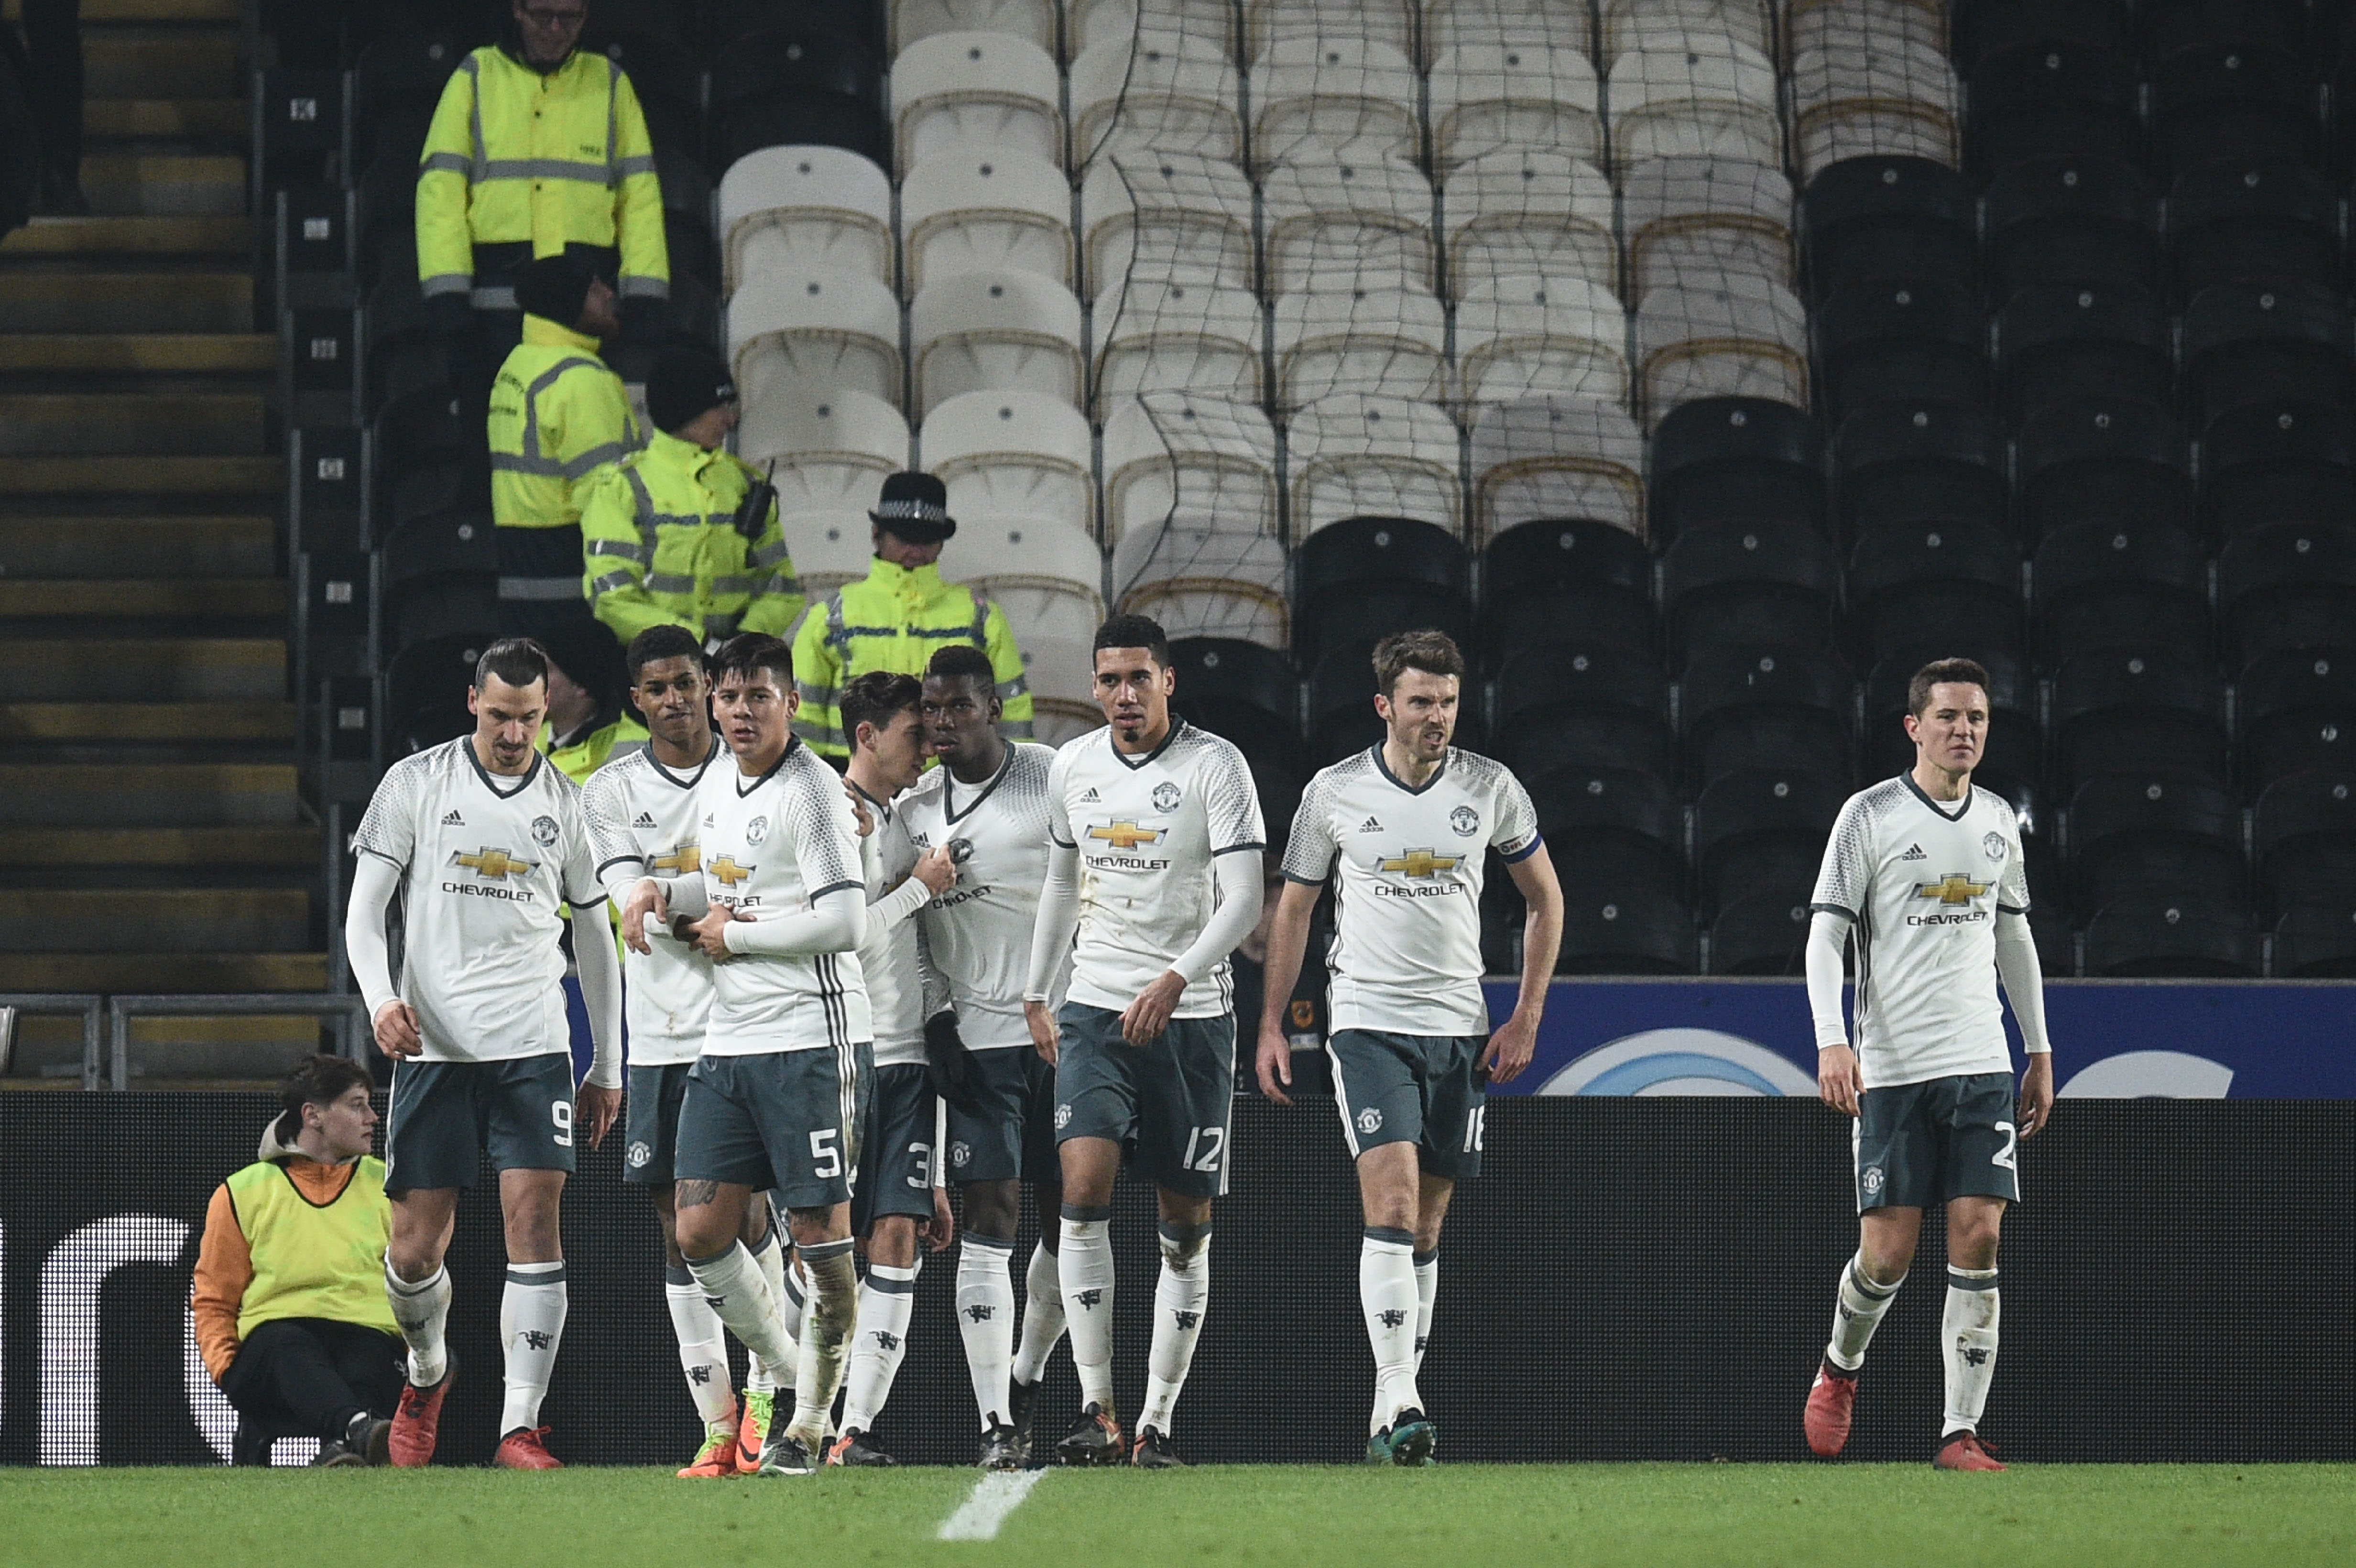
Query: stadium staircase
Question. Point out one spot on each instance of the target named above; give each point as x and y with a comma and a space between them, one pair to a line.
151, 836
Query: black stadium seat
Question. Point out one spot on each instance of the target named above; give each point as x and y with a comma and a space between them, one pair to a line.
2154, 832
2317, 941
2158, 936
1873, 217
2064, 341
1242, 691
1563, 580
1342, 717
804, 85
2104, 583
1899, 340
2113, 706
665, 74
2252, 222
1765, 933
1735, 459
2071, 220
1952, 583
2304, 831
1584, 705
1772, 707
1762, 830
2294, 708
1920, 462
2250, 343
2012, 763
425, 687
2165, 27
2102, 461
2237, 99
1980, 28
2288, 585
1609, 829
2274, 460
1364, 578
1631, 932
2058, 96
1725, 584
396, 83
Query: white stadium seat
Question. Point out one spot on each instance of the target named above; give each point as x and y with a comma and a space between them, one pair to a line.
1510, 98
1173, 215
1529, 212
986, 209
829, 547
1031, 20
1269, 24
831, 449
1884, 96
1203, 582
1009, 331
976, 89
1314, 95
1153, 336
1061, 674
1091, 24
1343, 335
1691, 220
1692, 95
805, 207
1012, 453
1750, 22
806, 330
1348, 209
1460, 24
1810, 24
1356, 456
1742, 337
1556, 457
1045, 574
1521, 336
1171, 91
1168, 454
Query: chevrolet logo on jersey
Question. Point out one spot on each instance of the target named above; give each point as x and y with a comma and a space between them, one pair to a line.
492, 863
1125, 835
1421, 863
685, 860
729, 872
1954, 888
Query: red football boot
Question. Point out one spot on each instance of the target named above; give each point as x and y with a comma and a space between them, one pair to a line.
523, 1449
417, 1421
1964, 1451
1831, 1402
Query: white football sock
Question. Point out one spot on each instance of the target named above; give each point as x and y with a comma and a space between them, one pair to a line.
985, 1310
421, 1310
532, 1324
1042, 1316
702, 1353
1858, 1307
732, 1283
884, 1303
1427, 1291
1088, 1276
1967, 1336
769, 1257
825, 1337
1386, 1293
1179, 1299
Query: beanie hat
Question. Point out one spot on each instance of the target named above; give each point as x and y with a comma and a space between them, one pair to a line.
684, 384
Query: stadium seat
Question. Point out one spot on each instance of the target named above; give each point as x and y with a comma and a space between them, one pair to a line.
985, 210
998, 331
1166, 89
1343, 214
426, 686
396, 81
1521, 212
687, 217
804, 331
1170, 454
1197, 338
2304, 833
1750, 22
2252, 222
829, 547
2294, 708
2107, 584
1244, 692
1584, 703
799, 81
384, 221
2060, 342
1163, 217
1495, 98
2316, 942
2155, 936
1200, 580
2154, 832
1873, 95
463, 486
1689, 95
1768, 707
2248, 343
664, 72
1046, 574
2235, 100
1954, 582
1741, 584
1359, 456
1981, 27
1762, 830
730, 23
951, 90
1556, 457
2012, 761
1763, 933
1609, 829
1919, 462
1526, 335
2102, 461
1739, 337
831, 449
1061, 675
439, 577
798, 208
1370, 335
1365, 578
2165, 27
1268, 24
1313, 96
1899, 340
1091, 24
2067, 219
1691, 219
1629, 933
2287, 585
1459, 23
433, 426
1032, 20
2115, 705
1732, 459
2040, 100
1566, 580
2276, 459
1013, 454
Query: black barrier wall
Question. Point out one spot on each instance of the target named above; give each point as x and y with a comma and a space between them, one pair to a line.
1634, 1278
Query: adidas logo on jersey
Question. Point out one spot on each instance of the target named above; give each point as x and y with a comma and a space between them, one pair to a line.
646, 819
1913, 852
454, 820
1091, 795
1370, 826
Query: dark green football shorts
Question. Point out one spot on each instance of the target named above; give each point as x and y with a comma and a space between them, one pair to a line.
1168, 1103
446, 1115
652, 1112
1921, 1144
1423, 1089
895, 1149
783, 1119
1012, 1134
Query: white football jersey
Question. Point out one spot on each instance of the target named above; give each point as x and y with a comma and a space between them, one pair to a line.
1148, 829
486, 863
644, 820
1921, 883
773, 845
979, 931
890, 958
1406, 866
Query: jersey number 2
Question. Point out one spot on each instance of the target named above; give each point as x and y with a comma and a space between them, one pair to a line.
2002, 1157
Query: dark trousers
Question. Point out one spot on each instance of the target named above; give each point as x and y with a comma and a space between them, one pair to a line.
307, 1377
53, 40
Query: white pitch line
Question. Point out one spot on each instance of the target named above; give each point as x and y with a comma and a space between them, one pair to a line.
995, 1496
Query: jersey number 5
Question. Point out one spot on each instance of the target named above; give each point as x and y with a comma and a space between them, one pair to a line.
826, 1159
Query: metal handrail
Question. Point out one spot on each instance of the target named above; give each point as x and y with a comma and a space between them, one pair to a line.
343, 1013
83, 1002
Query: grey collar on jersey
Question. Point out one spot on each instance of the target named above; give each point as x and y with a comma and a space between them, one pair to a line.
1961, 805
1385, 769
883, 807
949, 788
743, 789
490, 780
688, 781
1122, 757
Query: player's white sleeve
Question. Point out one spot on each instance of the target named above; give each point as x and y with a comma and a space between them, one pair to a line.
1237, 877
1827, 935
2023, 977
600, 993
687, 897
1058, 917
374, 881
1309, 853
1845, 882
834, 922
901, 903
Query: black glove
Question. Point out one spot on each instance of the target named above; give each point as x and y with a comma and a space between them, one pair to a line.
446, 315
948, 1065
644, 318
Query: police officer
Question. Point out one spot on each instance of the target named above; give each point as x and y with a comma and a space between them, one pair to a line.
558, 413
588, 724
682, 533
894, 617
537, 149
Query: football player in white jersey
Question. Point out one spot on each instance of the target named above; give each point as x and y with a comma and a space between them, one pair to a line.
899, 1200
987, 805
643, 821
1154, 878
1402, 829
1923, 877
779, 905
483, 839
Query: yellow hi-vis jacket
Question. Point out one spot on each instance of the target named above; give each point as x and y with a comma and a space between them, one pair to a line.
557, 413
514, 156
659, 547
893, 619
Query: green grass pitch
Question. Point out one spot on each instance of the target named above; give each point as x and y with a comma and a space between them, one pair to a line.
1293, 1516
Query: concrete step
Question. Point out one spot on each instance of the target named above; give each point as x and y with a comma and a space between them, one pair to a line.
135, 548
127, 302
187, 235
161, 62
148, 795
146, 919
245, 598
181, 478
241, 850
158, 184
145, 724
162, 119
160, 669
177, 424
162, 972
138, 354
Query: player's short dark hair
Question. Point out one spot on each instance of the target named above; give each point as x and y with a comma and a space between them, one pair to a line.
749, 652
963, 661
1135, 632
1432, 652
518, 661
1940, 672
877, 698
317, 1081
656, 643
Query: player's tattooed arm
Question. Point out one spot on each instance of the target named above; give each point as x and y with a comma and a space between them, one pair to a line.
694, 1194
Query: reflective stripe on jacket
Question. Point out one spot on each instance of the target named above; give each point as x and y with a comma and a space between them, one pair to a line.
558, 414
661, 547
893, 619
